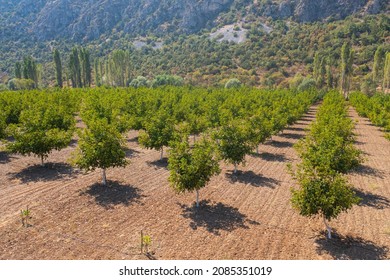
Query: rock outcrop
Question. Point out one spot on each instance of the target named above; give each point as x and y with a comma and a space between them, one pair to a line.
85, 20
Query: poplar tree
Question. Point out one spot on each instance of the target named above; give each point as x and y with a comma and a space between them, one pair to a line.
377, 69
346, 68
30, 70
386, 74
57, 62
316, 66
85, 67
119, 68
18, 70
329, 76
97, 72
322, 73
75, 68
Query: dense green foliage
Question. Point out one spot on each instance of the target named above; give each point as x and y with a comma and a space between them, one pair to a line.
326, 152
100, 146
266, 59
21, 84
233, 142
233, 83
192, 168
238, 119
58, 66
386, 73
157, 132
46, 122
376, 108
329, 146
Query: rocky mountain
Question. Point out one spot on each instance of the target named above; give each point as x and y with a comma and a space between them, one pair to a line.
85, 20
309, 11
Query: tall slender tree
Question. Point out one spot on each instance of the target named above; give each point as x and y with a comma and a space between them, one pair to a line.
98, 72
85, 67
75, 68
329, 76
58, 65
377, 69
30, 70
316, 66
18, 70
386, 73
346, 68
322, 73
119, 68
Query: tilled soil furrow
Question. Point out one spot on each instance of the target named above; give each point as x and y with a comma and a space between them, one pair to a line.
247, 216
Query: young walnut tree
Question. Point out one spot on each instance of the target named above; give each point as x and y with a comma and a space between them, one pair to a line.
42, 128
192, 168
100, 146
233, 142
157, 133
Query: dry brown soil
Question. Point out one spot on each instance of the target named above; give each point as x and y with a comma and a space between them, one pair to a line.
244, 216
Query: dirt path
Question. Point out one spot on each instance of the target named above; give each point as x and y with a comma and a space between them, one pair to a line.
247, 216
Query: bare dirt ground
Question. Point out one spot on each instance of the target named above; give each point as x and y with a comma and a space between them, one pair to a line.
244, 216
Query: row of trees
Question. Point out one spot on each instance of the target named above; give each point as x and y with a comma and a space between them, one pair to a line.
376, 108
229, 125
323, 71
114, 71
79, 67
37, 122
326, 153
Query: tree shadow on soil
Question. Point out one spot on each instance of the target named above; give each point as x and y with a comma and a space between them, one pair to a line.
372, 200
350, 248
115, 193
280, 144
368, 171
51, 171
131, 152
296, 129
291, 135
133, 140
73, 143
270, 157
249, 177
5, 157
158, 163
215, 217
308, 118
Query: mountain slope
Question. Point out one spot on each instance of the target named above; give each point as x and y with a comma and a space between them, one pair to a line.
86, 20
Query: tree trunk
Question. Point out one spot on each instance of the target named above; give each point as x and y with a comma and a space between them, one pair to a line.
42, 163
257, 149
235, 168
104, 179
328, 228
197, 198
162, 152
194, 138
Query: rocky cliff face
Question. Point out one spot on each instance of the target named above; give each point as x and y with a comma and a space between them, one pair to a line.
316, 10
80, 20
88, 19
